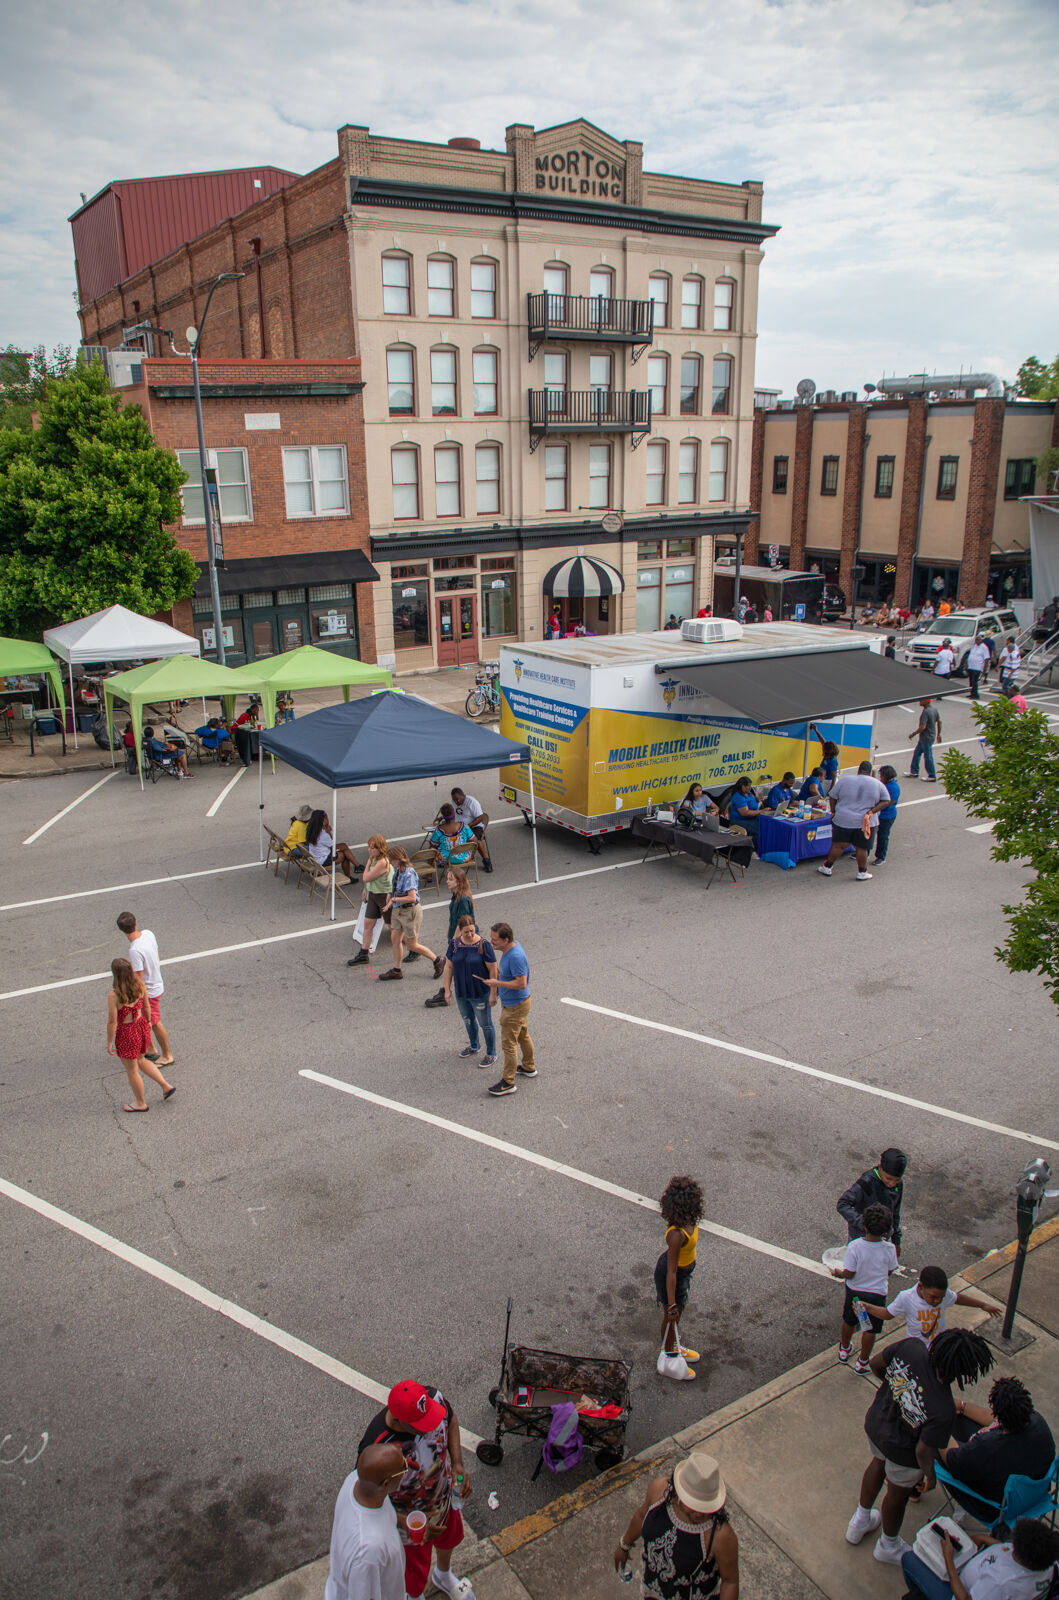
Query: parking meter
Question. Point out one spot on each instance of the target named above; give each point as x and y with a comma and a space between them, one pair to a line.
1030, 1190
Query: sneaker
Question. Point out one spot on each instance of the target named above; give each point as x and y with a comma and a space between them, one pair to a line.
878, 861
526, 1072
469, 1050
413, 955
911, 774
862, 877
439, 966
459, 1588
689, 1355
500, 1088
487, 866
825, 870
891, 1550
844, 1352
358, 959
487, 1061
394, 972
858, 1526
861, 1366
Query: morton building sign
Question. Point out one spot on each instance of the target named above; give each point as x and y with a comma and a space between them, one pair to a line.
582, 173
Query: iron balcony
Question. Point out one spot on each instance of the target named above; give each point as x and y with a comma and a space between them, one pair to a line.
553, 411
594, 317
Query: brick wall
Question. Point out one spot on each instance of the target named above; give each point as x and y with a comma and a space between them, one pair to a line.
981, 501
852, 496
911, 485
803, 459
757, 461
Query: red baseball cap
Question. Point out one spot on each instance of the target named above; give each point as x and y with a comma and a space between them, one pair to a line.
413, 1407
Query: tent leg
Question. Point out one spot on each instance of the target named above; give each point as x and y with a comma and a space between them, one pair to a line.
842, 744
334, 846
805, 755
73, 708
533, 825
260, 804
204, 708
110, 736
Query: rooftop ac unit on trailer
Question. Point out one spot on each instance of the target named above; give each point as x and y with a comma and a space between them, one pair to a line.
710, 630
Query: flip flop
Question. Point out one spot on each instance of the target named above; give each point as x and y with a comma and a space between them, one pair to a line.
136, 1108
168, 1092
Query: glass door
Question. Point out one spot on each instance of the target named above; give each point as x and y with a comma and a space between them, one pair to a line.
468, 641
448, 630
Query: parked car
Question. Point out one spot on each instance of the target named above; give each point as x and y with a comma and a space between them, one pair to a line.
834, 602
962, 628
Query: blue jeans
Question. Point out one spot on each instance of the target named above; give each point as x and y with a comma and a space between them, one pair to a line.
882, 837
474, 1012
924, 748
919, 1575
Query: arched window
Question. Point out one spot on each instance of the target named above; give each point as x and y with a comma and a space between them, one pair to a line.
397, 284
691, 303
443, 383
724, 305
655, 494
485, 373
690, 385
658, 384
688, 473
400, 381
487, 479
447, 480
722, 385
441, 286
719, 469
483, 288
658, 294
404, 473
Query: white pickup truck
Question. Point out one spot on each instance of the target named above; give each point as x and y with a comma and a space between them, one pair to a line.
961, 628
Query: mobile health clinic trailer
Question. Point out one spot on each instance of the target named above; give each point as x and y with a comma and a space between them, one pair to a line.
624, 722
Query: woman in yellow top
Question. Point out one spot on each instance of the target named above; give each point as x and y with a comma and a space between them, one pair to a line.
681, 1207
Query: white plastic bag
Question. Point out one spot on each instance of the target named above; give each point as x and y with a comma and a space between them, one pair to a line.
358, 930
672, 1366
927, 1545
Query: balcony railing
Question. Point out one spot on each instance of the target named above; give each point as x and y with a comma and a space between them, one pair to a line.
589, 411
596, 317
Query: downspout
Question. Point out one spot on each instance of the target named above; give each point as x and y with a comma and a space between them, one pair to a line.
255, 245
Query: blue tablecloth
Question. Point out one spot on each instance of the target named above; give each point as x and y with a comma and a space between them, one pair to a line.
785, 841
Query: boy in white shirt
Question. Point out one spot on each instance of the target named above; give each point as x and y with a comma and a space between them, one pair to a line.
866, 1267
925, 1304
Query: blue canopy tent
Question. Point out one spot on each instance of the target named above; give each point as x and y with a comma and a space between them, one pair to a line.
387, 737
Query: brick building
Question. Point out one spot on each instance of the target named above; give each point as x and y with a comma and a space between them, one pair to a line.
287, 440
923, 493
550, 334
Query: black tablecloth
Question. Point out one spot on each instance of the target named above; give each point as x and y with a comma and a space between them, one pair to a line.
247, 741
696, 841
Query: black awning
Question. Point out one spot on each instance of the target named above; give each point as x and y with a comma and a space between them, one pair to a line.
775, 690
289, 572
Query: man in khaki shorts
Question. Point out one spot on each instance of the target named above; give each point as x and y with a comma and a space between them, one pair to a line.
406, 915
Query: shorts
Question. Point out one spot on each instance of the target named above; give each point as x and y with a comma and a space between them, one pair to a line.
409, 919
900, 1477
373, 908
867, 1299
155, 1003
853, 836
417, 1556
683, 1281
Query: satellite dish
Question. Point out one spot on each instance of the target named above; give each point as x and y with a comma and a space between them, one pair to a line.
806, 389
869, 388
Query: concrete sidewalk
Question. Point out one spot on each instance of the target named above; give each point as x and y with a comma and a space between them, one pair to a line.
792, 1454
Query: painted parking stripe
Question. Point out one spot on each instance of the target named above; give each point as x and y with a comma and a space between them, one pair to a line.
906, 749
982, 827
249, 1320
604, 1185
67, 809
226, 791
815, 1072
924, 800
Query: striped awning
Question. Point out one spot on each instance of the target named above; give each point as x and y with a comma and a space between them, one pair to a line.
581, 578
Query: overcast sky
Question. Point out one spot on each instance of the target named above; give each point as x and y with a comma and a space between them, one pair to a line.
908, 150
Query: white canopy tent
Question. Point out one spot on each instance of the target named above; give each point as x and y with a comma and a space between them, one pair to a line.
116, 634
1044, 546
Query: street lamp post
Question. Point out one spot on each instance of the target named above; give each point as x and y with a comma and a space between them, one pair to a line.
194, 338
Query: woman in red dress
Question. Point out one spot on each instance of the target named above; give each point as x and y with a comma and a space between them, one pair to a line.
129, 1032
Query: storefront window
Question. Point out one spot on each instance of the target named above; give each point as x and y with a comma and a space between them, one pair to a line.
464, 580
232, 629
497, 613
679, 591
680, 547
332, 622
452, 563
648, 597
411, 613
649, 550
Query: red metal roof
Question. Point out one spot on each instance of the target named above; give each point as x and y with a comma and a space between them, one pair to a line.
133, 222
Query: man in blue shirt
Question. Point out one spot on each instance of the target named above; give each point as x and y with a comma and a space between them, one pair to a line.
781, 794
164, 753
513, 988
813, 787
887, 776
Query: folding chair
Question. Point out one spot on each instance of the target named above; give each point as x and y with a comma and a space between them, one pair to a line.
320, 878
276, 847
425, 862
1023, 1497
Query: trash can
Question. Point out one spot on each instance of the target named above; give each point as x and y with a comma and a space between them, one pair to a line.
86, 721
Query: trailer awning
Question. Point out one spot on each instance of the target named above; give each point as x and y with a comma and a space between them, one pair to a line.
773, 691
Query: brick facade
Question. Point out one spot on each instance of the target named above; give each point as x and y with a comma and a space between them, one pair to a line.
981, 501
853, 496
800, 475
757, 461
911, 495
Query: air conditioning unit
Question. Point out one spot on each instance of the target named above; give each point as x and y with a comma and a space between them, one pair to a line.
125, 367
710, 630
784, 405
828, 398
849, 396
92, 352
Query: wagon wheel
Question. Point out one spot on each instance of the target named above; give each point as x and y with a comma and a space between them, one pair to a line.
494, 1395
607, 1458
489, 1453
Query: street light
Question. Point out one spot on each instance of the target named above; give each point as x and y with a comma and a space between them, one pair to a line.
214, 551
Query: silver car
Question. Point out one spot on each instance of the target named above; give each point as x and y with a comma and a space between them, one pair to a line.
961, 628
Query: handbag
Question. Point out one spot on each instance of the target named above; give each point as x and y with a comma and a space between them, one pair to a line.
358, 928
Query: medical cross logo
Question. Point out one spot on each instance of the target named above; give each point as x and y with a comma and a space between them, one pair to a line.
669, 690
518, 670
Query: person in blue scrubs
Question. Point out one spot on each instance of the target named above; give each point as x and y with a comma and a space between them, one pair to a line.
888, 776
743, 808
781, 794
813, 787
829, 757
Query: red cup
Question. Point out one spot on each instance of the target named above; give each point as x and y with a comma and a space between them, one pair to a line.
416, 1524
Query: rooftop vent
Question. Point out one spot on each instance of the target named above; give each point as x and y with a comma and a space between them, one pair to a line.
465, 144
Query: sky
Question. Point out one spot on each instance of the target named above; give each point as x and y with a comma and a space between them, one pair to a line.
907, 147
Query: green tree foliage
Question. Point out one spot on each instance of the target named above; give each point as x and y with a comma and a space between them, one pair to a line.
1037, 381
1017, 786
24, 377
83, 500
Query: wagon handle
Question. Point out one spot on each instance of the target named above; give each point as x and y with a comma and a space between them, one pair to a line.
507, 1330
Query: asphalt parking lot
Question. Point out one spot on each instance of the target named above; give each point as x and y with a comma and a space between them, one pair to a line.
203, 1304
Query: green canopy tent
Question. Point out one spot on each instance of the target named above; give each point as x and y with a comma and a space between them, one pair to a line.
177, 678
20, 657
307, 668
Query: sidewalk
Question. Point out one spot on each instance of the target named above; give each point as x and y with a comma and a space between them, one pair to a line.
791, 1453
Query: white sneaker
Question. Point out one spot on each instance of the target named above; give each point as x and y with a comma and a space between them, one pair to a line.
460, 1588
825, 870
890, 1551
862, 877
856, 1529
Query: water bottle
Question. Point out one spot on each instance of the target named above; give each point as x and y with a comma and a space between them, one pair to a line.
863, 1319
625, 1571
457, 1497
801, 810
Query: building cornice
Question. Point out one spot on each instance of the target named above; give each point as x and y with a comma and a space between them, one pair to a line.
429, 542
255, 391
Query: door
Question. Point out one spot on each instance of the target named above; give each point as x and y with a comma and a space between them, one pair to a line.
263, 634
292, 632
468, 641
457, 629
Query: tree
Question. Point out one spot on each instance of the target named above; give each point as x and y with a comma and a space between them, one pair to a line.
83, 502
24, 378
1036, 381
1017, 786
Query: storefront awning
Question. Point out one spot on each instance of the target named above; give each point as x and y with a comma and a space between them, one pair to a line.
289, 571
775, 690
581, 578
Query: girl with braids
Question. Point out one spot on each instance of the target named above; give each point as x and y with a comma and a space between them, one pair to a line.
681, 1207
910, 1419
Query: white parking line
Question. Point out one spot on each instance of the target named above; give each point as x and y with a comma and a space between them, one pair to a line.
213, 1302
226, 791
815, 1072
982, 827
906, 749
806, 1263
67, 809
924, 800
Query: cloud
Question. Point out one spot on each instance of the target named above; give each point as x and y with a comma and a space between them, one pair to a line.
906, 148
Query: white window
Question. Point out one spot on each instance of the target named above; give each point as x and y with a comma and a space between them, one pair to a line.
555, 381
723, 304
441, 287
657, 381
599, 475
483, 288
601, 283
719, 470
555, 281
443, 383
397, 285
690, 381
447, 481
400, 379
315, 481
656, 474
404, 470
233, 485
600, 370
555, 477
658, 294
487, 478
484, 373
688, 479
691, 303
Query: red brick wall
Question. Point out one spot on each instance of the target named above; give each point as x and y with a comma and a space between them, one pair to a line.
911, 485
803, 457
981, 501
757, 461
852, 496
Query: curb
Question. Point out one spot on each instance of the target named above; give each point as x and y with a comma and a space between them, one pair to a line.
1000, 1258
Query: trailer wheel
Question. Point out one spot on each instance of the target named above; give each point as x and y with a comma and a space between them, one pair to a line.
607, 1458
489, 1453
494, 1395
596, 846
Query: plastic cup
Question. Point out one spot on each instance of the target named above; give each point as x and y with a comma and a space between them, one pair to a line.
416, 1523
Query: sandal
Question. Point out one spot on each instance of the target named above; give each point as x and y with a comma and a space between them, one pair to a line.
136, 1108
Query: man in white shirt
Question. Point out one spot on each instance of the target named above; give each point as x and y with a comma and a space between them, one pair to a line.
852, 798
470, 814
1019, 1569
978, 659
946, 660
367, 1558
143, 958
1010, 662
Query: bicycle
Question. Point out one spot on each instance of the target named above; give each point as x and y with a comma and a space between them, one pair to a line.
484, 698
